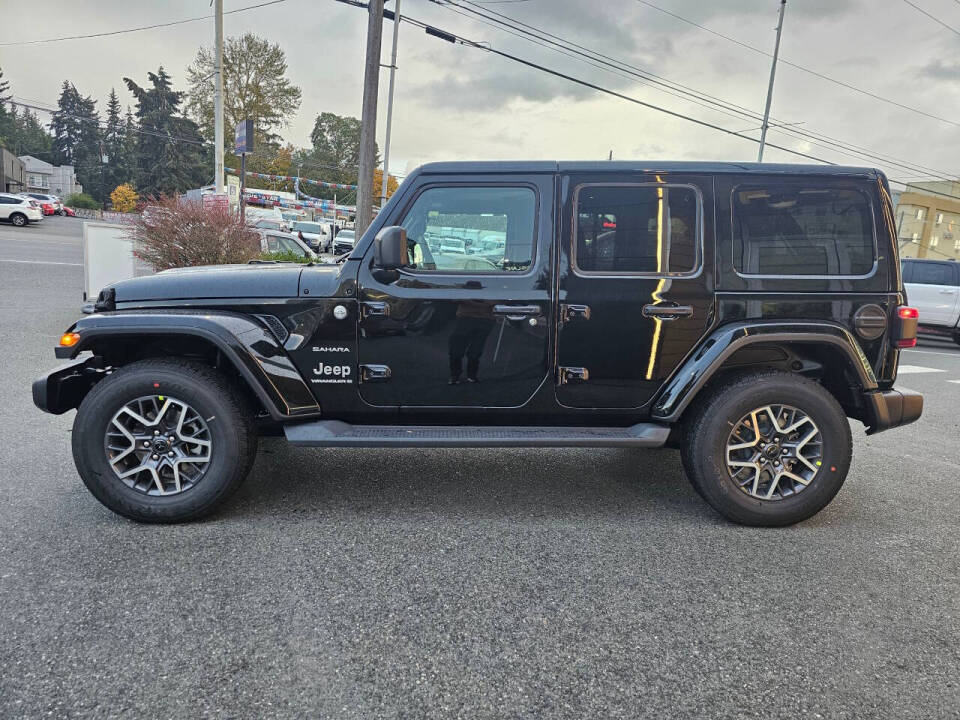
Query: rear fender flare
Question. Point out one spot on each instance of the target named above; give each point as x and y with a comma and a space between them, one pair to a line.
248, 345
697, 370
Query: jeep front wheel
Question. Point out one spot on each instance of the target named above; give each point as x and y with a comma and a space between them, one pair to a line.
768, 448
163, 440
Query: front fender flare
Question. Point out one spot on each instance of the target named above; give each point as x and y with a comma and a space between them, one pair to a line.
248, 345
694, 373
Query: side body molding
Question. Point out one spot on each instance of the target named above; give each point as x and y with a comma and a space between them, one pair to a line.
247, 344
690, 378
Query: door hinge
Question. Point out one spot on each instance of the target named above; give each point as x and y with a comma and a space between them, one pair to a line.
574, 312
374, 373
573, 375
375, 309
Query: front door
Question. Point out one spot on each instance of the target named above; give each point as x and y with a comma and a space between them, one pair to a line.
635, 291
468, 322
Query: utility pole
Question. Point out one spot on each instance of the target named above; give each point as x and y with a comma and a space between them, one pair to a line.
368, 119
773, 72
393, 70
218, 179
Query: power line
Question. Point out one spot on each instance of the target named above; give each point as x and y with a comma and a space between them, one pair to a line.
586, 54
807, 70
136, 29
932, 17
452, 37
456, 39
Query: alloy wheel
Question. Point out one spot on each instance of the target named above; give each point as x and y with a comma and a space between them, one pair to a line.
158, 445
774, 452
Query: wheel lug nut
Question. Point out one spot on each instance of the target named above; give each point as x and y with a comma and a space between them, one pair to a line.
156, 432
146, 443
171, 438
170, 454
786, 452
154, 457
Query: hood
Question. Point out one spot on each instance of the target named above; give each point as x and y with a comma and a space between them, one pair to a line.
212, 282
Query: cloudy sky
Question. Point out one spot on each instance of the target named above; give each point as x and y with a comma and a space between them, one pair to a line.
456, 102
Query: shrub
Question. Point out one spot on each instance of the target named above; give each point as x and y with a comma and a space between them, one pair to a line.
172, 232
124, 198
81, 200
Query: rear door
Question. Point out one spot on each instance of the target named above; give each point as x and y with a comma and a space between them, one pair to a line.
932, 289
635, 297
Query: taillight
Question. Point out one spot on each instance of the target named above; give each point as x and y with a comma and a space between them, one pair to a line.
906, 331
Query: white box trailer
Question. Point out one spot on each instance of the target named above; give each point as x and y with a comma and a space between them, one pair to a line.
108, 257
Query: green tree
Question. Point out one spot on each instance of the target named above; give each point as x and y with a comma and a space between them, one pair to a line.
169, 152
115, 171
6, 121
28, 135
76, 138
255, 86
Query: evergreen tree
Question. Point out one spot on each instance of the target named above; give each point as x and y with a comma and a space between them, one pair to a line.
6, 121
129, 152
170, 152
29, 136
113, 145
76, 138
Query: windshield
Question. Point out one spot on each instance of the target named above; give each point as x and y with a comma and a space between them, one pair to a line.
307, 227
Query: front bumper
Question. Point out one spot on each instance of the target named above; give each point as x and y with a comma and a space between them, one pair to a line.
64, 387
892, 408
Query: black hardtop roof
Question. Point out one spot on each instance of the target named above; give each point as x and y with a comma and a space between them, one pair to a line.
553, 166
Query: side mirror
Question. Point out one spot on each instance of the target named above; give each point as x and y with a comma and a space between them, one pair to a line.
390, 248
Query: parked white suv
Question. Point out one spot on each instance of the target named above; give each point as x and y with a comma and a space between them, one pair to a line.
933, 288
19, 210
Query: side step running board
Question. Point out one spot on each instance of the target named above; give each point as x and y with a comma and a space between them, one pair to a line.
334, 433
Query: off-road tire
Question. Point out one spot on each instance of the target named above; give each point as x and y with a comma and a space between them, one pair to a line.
708, 430
223, 406
19, 219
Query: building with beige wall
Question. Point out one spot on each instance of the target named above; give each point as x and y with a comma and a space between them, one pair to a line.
928, 220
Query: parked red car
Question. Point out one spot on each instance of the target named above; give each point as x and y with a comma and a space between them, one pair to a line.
47, 208
68, 212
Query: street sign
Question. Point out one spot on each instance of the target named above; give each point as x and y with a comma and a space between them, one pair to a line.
243, 137
213, 201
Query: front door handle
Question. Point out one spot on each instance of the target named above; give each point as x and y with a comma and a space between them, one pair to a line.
667, 312
516, 312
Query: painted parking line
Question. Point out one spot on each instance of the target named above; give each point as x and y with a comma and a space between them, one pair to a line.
954, 381
916, 370
954, 355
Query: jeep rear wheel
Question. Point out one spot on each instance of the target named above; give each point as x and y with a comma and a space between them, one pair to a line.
768, 448
163, 440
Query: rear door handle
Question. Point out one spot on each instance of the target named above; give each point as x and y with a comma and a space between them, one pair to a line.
667, 312
516, 312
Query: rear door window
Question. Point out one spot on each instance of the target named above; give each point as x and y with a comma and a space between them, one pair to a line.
636, 230
932, 273
801, 230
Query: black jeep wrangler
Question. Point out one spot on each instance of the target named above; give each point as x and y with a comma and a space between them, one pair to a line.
739, 312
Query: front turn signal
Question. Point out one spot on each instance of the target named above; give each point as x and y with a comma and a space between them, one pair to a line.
69, 339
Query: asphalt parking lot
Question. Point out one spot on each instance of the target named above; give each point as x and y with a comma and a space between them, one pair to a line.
450, 583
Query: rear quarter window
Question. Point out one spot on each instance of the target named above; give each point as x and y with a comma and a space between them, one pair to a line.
802, 230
